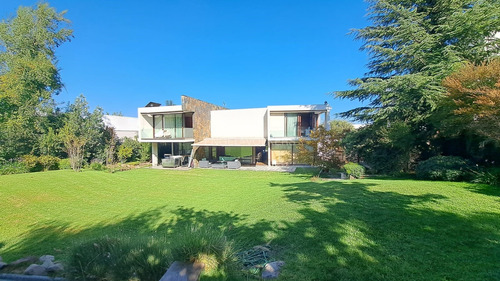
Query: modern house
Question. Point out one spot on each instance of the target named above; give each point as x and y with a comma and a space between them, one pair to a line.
204, 131
173, 129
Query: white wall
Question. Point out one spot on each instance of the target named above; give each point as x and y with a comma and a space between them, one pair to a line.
277, 125
238, 123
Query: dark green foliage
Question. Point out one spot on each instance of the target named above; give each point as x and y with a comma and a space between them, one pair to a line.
13, 167
49, 162
133, 150
447, 168
148, 257
490, 176
40, 163
120, 258
413, 46
96, 166
145, 152
31, 162
97, 259
385, 147
354, 170
83, 134
29, 77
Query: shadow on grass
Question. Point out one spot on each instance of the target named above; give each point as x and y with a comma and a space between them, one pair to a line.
53, 237
349, 232
485, 189
344, 231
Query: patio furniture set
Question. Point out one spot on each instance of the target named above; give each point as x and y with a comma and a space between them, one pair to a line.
224, 162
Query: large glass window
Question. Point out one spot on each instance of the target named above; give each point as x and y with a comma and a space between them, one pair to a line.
158, 126
291, 124
173, 125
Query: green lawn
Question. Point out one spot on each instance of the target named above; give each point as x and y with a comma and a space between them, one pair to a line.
324, 230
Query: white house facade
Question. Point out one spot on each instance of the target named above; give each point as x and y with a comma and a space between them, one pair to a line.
209, 133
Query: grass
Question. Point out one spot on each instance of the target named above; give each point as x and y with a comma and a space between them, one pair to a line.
368, 229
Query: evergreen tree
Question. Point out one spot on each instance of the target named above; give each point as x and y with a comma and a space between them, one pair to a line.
413, 46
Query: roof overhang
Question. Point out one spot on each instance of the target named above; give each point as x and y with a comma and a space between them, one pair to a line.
258, 142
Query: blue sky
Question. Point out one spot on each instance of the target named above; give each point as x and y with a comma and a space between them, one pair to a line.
235, 53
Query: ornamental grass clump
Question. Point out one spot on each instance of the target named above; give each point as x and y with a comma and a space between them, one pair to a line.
124, 258
207, 245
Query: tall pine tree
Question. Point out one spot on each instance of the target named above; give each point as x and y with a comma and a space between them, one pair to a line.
413, 46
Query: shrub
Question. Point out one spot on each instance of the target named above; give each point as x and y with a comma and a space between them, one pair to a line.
96, 166
354, 169
14, 167
119, 259
145, 152
125, 153
49, 162
31, 162
446, 168
209, 245
64, 164
489, 176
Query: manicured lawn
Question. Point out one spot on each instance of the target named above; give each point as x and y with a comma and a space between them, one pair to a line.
323, 230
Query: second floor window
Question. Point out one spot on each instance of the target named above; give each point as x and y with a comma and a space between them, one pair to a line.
292, 124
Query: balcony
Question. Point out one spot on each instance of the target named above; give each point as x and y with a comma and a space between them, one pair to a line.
291, 133
158, 134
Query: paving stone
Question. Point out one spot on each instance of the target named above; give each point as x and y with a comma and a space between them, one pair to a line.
55, 267
272, 270
24, 260
46, 258
181, 271
35, 269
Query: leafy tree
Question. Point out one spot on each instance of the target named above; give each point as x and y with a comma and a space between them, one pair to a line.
83, 133
29, 76
323, 148
385, 148
474, 93
138, 151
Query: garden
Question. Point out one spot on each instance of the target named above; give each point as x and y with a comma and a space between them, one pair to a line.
131, 225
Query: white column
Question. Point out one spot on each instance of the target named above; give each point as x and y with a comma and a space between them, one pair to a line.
154, 154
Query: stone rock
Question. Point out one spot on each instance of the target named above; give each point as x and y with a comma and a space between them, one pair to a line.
35, 269
272, 270
3, 264
181, 271
46, 258
47, 263
24, 260
55, 267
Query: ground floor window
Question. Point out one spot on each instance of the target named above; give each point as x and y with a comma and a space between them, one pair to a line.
284, 154
245, 154
174, 148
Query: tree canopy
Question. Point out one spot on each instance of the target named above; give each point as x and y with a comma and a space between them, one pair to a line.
413, 45
474, 91
29, 76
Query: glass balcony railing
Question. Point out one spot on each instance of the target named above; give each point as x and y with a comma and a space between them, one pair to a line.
188, 133
181, 133
304, 132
